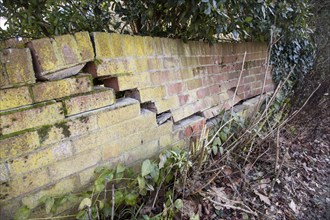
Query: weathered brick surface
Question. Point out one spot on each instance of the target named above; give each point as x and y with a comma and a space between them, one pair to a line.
35, 116
14, 97
16, 67
61, 88
83, 103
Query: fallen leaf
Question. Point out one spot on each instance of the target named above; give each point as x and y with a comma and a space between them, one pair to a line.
293, 206
263, 198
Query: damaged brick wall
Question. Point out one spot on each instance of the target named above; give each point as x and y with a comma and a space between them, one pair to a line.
76, 102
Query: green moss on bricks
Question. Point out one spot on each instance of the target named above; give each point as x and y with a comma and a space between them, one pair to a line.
43, 133
65, 129
41, 104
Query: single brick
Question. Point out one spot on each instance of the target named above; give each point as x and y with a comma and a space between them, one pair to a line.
116, 67
46, 57
151, 94
60, 188
85, 46
16, 67
190, 126
124, 109
61, 88
81, 161
14, 97
71, 127
97, 99
18, 145
102, 45
125, 82
41, 158
149, 46
141, 65
68, 49
35, 116
167, 104
194, 83
129, 47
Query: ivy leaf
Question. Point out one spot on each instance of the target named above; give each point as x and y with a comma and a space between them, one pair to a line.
223, 136
131, 199
217, 141
248, 19
141, 182
178, 203
146, 168
119, 197
120, 168
215, 149
22, 213
86, 202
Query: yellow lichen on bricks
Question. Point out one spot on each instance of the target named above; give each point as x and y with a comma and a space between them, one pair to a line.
41, 158
81, 161
68, 49
152, 93
102, 45
16, 67
85, 46
31, 117
47, 56
58, 189
124, 109
14, 97
61, 88
97, 99
139, 46
18, 145
149, 46
129, 47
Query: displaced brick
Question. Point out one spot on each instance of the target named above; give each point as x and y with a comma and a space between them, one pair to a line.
35, 116
14, 97
41, 158
125, 82
61, 88
18, 145
67, 48
151, 93
115, 67
124, 109
167, 104
16, 67
97, 99
85, 46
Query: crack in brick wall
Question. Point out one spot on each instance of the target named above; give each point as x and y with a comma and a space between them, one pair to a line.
57, 125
